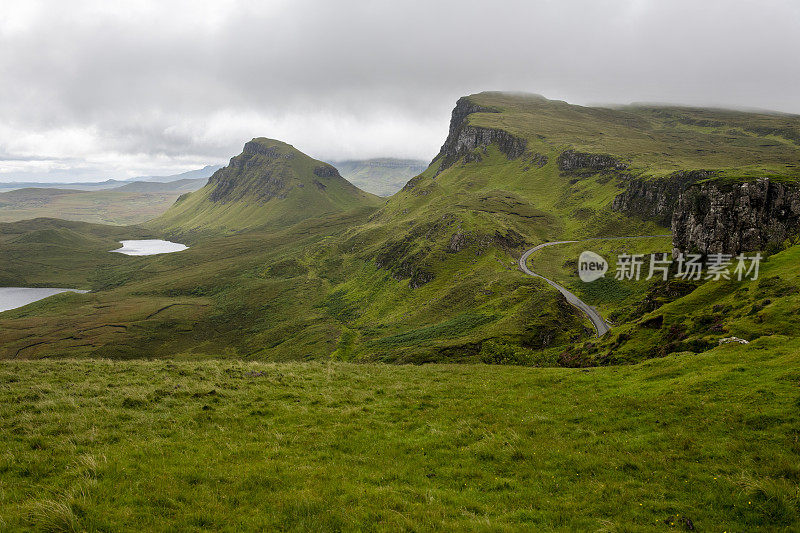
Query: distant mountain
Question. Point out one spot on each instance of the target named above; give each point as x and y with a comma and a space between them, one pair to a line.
183, 185
31, 196
131, 203
269, 184
201, 173
79, 186
204, 172
382, 176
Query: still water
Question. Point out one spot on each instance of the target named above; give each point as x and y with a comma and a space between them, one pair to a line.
149, 247
13, 297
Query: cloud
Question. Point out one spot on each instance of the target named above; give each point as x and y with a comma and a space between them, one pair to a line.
155, 87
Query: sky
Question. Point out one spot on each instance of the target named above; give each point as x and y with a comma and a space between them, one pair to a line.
91, 90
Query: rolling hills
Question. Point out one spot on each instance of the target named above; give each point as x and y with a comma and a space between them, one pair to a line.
154, 402
290, 261
126, 204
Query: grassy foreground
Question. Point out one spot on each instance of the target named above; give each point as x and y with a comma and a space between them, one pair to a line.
232, 445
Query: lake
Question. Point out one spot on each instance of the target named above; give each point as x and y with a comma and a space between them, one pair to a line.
13, 297
149, 247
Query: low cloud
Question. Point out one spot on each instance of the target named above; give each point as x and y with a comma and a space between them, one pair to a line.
91, 89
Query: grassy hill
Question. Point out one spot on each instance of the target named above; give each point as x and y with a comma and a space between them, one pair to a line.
48, 252
654, 140
383, 176
270, 184
291, 262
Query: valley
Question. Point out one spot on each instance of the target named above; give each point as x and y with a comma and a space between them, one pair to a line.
262, 344
337, 267
289, 261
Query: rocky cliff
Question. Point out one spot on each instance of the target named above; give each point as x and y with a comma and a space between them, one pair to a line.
464, 139
579, 162
655, 199
716, 217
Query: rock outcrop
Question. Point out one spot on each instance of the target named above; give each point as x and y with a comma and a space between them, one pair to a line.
573, 161
655, 199
255, 147
464, 139
719, 217
227, 183
326, 171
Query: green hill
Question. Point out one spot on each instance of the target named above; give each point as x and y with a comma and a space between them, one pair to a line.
270, 184
290, 261
654, 140
47, 252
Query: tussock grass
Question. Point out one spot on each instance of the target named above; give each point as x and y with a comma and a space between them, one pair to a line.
237, 445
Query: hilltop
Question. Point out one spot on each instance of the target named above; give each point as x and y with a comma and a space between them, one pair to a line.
652, 140
270, 184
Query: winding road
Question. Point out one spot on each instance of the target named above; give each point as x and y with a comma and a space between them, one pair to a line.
598, 321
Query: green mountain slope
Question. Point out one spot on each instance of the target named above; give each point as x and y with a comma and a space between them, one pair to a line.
270, 184
383, 176
290, 261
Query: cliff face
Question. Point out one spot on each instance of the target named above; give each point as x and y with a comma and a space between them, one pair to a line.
725, 218
463, 139
577, 162
655, 199
714, 217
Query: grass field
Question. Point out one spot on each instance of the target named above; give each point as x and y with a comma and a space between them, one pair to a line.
232, 445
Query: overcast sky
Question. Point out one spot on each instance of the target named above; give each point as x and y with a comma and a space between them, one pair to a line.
90, 90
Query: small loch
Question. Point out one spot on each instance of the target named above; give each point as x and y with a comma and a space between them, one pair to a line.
13, 297
149, 247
